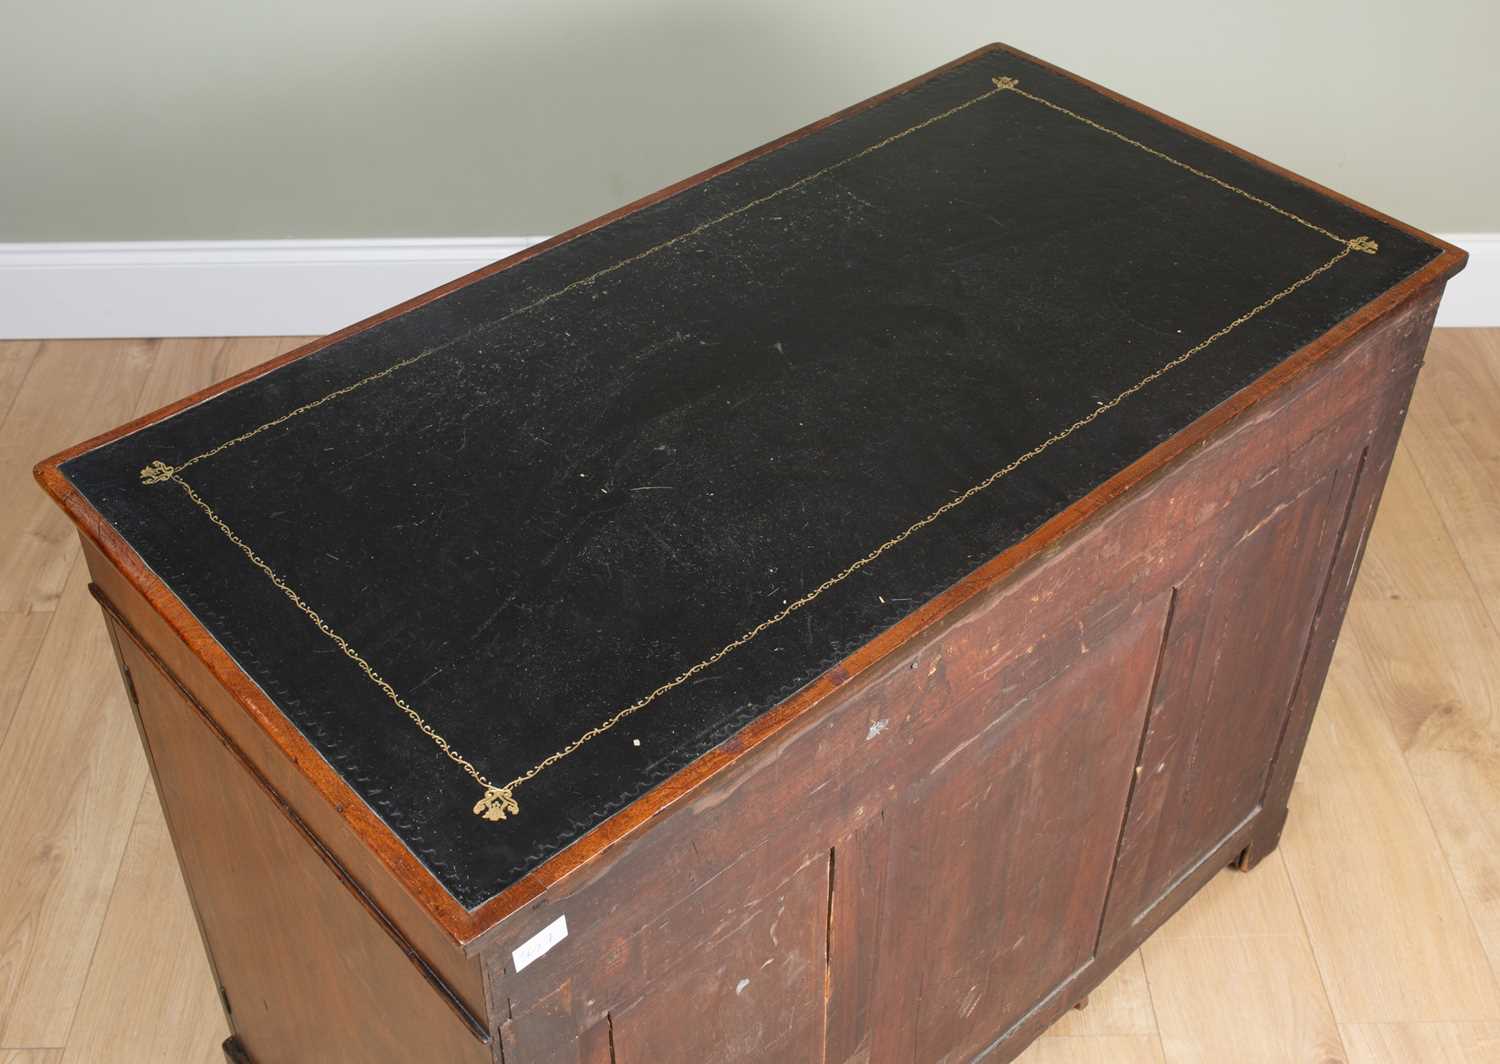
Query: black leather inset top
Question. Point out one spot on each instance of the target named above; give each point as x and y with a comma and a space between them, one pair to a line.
528, 505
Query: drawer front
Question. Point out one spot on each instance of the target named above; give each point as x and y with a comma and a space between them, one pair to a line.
308, 969
749, 993
729, 969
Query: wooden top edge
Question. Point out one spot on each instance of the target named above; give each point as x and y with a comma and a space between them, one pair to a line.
472, 929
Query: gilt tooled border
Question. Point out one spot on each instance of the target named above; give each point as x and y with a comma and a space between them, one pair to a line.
498, 800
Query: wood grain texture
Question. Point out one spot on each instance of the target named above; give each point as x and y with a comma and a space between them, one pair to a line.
73, 779
1105, 1049
1363, 856
1453, 420
1438, 682
1240, 940
16, 358
20, 640
31, 1056
1410, 555
1429, 1043
122, 1014
70, 388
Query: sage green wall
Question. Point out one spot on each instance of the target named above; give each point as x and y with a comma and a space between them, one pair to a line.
210, 119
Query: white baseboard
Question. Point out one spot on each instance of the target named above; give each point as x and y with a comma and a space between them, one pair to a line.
223, 287
311, 287
1473, 297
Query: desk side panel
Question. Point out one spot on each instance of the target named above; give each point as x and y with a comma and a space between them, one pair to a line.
309, 969
290, 781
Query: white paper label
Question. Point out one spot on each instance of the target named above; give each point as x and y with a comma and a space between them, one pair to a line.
540, 943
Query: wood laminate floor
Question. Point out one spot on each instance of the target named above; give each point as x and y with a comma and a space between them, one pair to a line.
1372, 936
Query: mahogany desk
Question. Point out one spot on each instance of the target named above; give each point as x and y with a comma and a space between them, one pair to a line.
830, 610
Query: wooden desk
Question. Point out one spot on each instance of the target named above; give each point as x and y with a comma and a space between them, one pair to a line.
833, 609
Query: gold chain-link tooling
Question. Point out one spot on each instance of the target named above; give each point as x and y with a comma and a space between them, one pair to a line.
322, 626
498, 801
1010, 83
581, 282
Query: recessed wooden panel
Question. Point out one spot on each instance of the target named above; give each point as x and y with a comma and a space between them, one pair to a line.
1000, 856
1229, 671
